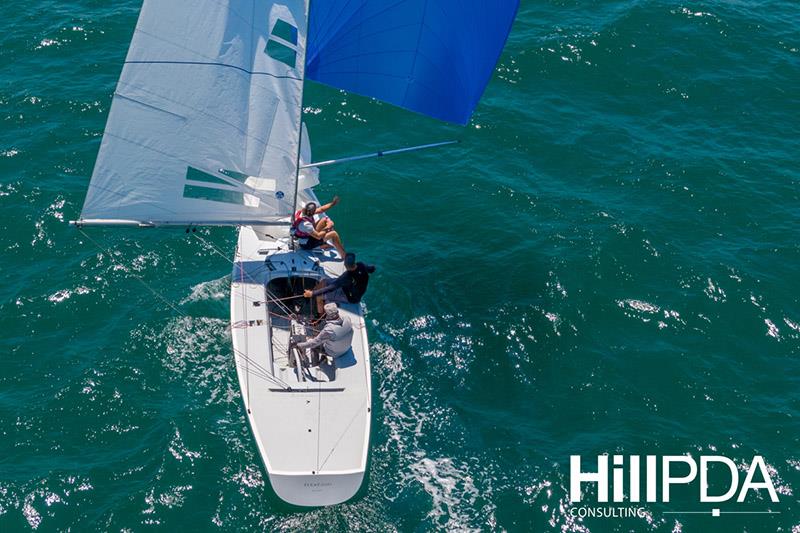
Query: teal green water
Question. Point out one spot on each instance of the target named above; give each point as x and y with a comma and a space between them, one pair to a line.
608, 263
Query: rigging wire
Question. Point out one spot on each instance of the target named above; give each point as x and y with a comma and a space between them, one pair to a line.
244, 314
242, 273
172, 306
129, 271
259, 368
271, 298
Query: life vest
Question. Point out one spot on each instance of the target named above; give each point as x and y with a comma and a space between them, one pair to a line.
299, 217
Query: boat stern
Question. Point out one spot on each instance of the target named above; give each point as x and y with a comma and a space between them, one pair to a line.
316, 490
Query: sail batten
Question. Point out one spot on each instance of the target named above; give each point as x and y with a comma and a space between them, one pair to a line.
203, 90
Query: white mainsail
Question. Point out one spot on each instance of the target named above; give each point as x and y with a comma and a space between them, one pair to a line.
205, 122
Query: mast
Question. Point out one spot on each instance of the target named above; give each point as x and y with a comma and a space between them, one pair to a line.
300, 129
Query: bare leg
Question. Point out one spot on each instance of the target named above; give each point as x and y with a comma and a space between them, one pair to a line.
321, 299
322, 224
336, 241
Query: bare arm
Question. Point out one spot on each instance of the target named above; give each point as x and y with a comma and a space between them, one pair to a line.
323, 208
320, 234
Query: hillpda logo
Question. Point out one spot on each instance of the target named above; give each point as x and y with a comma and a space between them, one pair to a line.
650, 478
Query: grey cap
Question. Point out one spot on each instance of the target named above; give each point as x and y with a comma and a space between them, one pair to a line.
331, 310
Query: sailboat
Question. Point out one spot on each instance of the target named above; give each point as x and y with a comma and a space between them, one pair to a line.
205, 129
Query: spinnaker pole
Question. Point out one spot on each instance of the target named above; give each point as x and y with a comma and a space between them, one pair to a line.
377, 154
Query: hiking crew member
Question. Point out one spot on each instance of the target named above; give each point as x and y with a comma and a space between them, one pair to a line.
310, 233
347, 288
337, 335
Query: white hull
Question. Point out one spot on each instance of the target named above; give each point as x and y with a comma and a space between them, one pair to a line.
314, 438
316, 490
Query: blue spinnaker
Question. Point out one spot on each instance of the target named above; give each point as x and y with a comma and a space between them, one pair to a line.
430, 56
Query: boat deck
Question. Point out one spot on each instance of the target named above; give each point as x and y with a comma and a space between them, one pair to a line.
312, 434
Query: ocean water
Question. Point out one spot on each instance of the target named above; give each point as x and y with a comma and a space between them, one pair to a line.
608, 263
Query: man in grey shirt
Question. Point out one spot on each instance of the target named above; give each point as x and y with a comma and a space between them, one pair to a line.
336, 337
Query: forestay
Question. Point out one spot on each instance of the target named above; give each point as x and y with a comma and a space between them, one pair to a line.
205, 121
430, 56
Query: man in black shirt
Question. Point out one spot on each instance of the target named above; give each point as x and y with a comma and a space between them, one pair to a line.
347, 288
